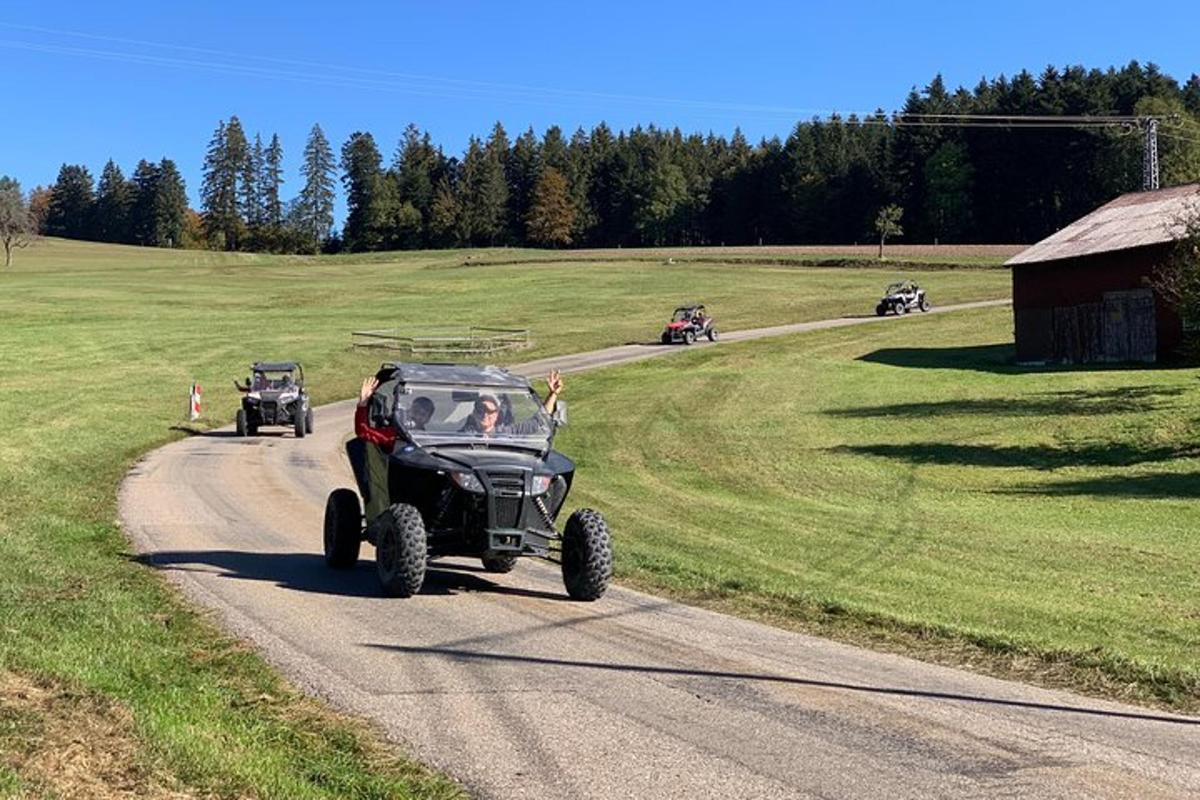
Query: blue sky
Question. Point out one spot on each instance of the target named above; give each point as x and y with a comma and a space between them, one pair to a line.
129, 80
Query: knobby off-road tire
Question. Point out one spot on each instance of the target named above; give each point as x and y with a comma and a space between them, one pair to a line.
400, 551
665, 338
880, 310
924, 304
298, 425
242, 428
499, 563
586, 555
308, 420
712, 334
901, 309
689, 337
343, 529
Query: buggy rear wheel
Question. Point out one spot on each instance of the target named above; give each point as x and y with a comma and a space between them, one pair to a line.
499, 563
343, 529
586, 555
400, 551
241, 422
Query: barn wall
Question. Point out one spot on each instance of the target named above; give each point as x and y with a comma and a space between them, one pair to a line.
1081, 284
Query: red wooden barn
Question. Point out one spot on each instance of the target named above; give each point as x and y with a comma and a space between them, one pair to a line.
1081, 295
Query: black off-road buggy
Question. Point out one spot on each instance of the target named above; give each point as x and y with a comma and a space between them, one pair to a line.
688, 324
902, 297
450, 487
274, 394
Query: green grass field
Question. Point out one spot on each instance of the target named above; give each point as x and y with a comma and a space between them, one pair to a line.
908, 485
100, 345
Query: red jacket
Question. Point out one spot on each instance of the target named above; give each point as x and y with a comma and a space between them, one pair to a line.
384, 437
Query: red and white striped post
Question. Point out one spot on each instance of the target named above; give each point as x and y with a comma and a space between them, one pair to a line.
194, 403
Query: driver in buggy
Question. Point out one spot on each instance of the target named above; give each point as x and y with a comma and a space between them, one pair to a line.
491, 418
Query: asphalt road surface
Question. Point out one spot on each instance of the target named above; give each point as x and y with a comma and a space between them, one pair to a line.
511, 688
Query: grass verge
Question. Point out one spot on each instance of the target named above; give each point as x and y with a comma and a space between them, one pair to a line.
932, 499
101, 344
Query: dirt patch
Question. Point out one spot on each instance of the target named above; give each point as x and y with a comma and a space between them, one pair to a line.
73, 745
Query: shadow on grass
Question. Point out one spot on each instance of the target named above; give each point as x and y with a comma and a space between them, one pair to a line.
1164, 486
996, 358
468, 656
307, 572
1076, 403
1023, 457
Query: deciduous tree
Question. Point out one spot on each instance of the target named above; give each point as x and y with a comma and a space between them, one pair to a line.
551, 215
17, 227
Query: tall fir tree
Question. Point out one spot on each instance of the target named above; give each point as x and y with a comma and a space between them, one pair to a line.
169, 207
250, 189
142, 225
221, 193
369, 196
113, 202
72, 203
312, 216
271, 181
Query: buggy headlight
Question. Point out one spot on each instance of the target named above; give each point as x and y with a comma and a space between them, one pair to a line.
541, 483
468, 481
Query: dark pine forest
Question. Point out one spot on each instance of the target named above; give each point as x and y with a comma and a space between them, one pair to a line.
650, 186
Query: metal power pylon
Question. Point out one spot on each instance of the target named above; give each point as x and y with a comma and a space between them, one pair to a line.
1149, 153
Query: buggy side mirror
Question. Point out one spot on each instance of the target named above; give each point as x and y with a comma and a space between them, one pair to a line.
559, 416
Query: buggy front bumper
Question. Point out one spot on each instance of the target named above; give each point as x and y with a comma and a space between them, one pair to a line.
512, 542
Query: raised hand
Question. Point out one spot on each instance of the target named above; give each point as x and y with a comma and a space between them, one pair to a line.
369, 385
555, 382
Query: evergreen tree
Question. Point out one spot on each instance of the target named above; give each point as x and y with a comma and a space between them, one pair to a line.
270, 182
250, 190
312, 216
445, 216
551, 216
169, 207
418, 167
113, 201
484, 195
142, 224
522, 169
223, 193
370, 197
72, 203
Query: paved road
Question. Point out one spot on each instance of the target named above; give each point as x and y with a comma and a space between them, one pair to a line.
519, 693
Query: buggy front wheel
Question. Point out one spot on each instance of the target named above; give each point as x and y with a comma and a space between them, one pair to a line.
400, 551
586, 555
308, 421
298, 424
712, 334
241, 422
689, 337
924, 304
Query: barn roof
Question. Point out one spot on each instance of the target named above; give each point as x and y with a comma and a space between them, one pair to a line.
1132, 220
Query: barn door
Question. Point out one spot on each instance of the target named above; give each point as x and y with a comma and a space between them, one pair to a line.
1129, 326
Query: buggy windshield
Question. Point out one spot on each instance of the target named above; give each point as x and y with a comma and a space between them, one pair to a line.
897, 288
685, 314
439, 414
271, 381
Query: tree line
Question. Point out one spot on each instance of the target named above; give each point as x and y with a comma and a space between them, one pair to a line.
826, 182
